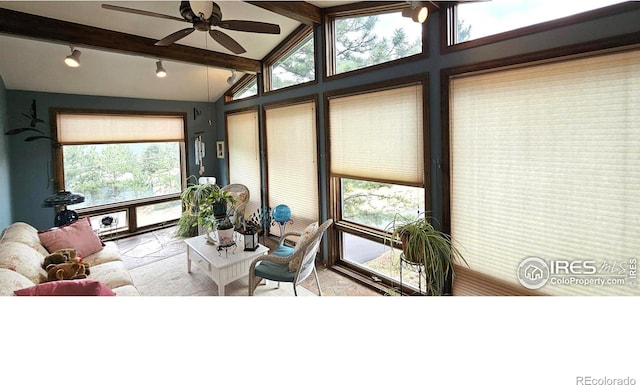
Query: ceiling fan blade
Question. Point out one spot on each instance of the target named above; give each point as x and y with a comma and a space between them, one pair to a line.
174, 37
250, 26
227, 41
141, 12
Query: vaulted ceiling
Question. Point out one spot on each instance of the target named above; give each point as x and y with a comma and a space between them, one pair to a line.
118, 52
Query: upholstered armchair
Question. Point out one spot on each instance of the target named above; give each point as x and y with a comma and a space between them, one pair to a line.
296, 267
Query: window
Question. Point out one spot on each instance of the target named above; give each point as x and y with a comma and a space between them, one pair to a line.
359, 40
377, 170
292, 165
545, 163
244, 155
482, 19
122, 161
246, 87
293, 62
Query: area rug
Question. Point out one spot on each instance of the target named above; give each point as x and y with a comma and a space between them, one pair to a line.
169, 277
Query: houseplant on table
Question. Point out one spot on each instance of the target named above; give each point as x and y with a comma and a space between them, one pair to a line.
191, 198
213, 214
423, 245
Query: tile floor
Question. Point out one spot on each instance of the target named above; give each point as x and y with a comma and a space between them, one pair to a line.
157, 245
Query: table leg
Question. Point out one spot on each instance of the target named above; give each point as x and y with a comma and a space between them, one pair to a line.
221, 289
188, 260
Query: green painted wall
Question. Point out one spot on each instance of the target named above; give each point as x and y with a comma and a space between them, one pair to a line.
31, 162
5, 175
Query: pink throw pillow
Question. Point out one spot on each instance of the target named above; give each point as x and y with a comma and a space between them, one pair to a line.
78, 235
67, 288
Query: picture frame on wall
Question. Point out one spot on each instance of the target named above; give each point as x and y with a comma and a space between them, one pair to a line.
220, 149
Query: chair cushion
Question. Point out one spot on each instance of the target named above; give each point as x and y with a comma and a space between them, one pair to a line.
283, 251
274, 271
307, 232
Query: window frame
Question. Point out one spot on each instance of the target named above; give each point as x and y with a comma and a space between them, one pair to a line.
365, 9
239, 86
334, 183
448, 26
128, 206
587, 49
288, 44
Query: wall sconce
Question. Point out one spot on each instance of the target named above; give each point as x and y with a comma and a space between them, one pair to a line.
160, 72
199, 151
418, 12
73, 60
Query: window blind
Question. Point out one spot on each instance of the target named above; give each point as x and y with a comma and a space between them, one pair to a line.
378, 136
244, 155
545, 162
292, 162
107, 128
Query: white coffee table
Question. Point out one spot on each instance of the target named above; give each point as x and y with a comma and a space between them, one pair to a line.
223, 266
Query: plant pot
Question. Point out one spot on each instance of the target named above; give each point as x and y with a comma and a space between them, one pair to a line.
219, 209
225, 236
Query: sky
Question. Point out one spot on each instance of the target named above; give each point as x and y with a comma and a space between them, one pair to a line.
491, 17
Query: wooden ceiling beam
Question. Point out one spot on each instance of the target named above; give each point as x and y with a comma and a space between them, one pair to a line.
301, 11
54, 30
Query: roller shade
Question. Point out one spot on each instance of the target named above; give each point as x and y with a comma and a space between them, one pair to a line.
378, 135
107, 128
545, 162
292, 162
244, 155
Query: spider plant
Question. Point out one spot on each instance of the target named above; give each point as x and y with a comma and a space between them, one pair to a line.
422, 244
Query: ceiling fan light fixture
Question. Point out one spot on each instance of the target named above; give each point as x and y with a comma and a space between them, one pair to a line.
202, 9
232, 79
73, 60
160, 71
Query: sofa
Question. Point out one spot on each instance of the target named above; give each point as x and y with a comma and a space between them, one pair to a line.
22, 253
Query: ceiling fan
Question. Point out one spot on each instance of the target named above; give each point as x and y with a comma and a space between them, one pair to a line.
204, 15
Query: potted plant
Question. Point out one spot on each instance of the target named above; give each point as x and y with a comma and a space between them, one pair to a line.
225, 231
212, 214
423, 245
219, 199
191, 198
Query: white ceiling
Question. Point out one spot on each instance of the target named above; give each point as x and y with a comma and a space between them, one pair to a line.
32, 65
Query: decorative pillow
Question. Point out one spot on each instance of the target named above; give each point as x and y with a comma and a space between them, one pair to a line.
76, 287
77, 235
295, 262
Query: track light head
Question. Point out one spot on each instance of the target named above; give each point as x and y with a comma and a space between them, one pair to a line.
417, 12
73, 60
160, 72
232, 79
